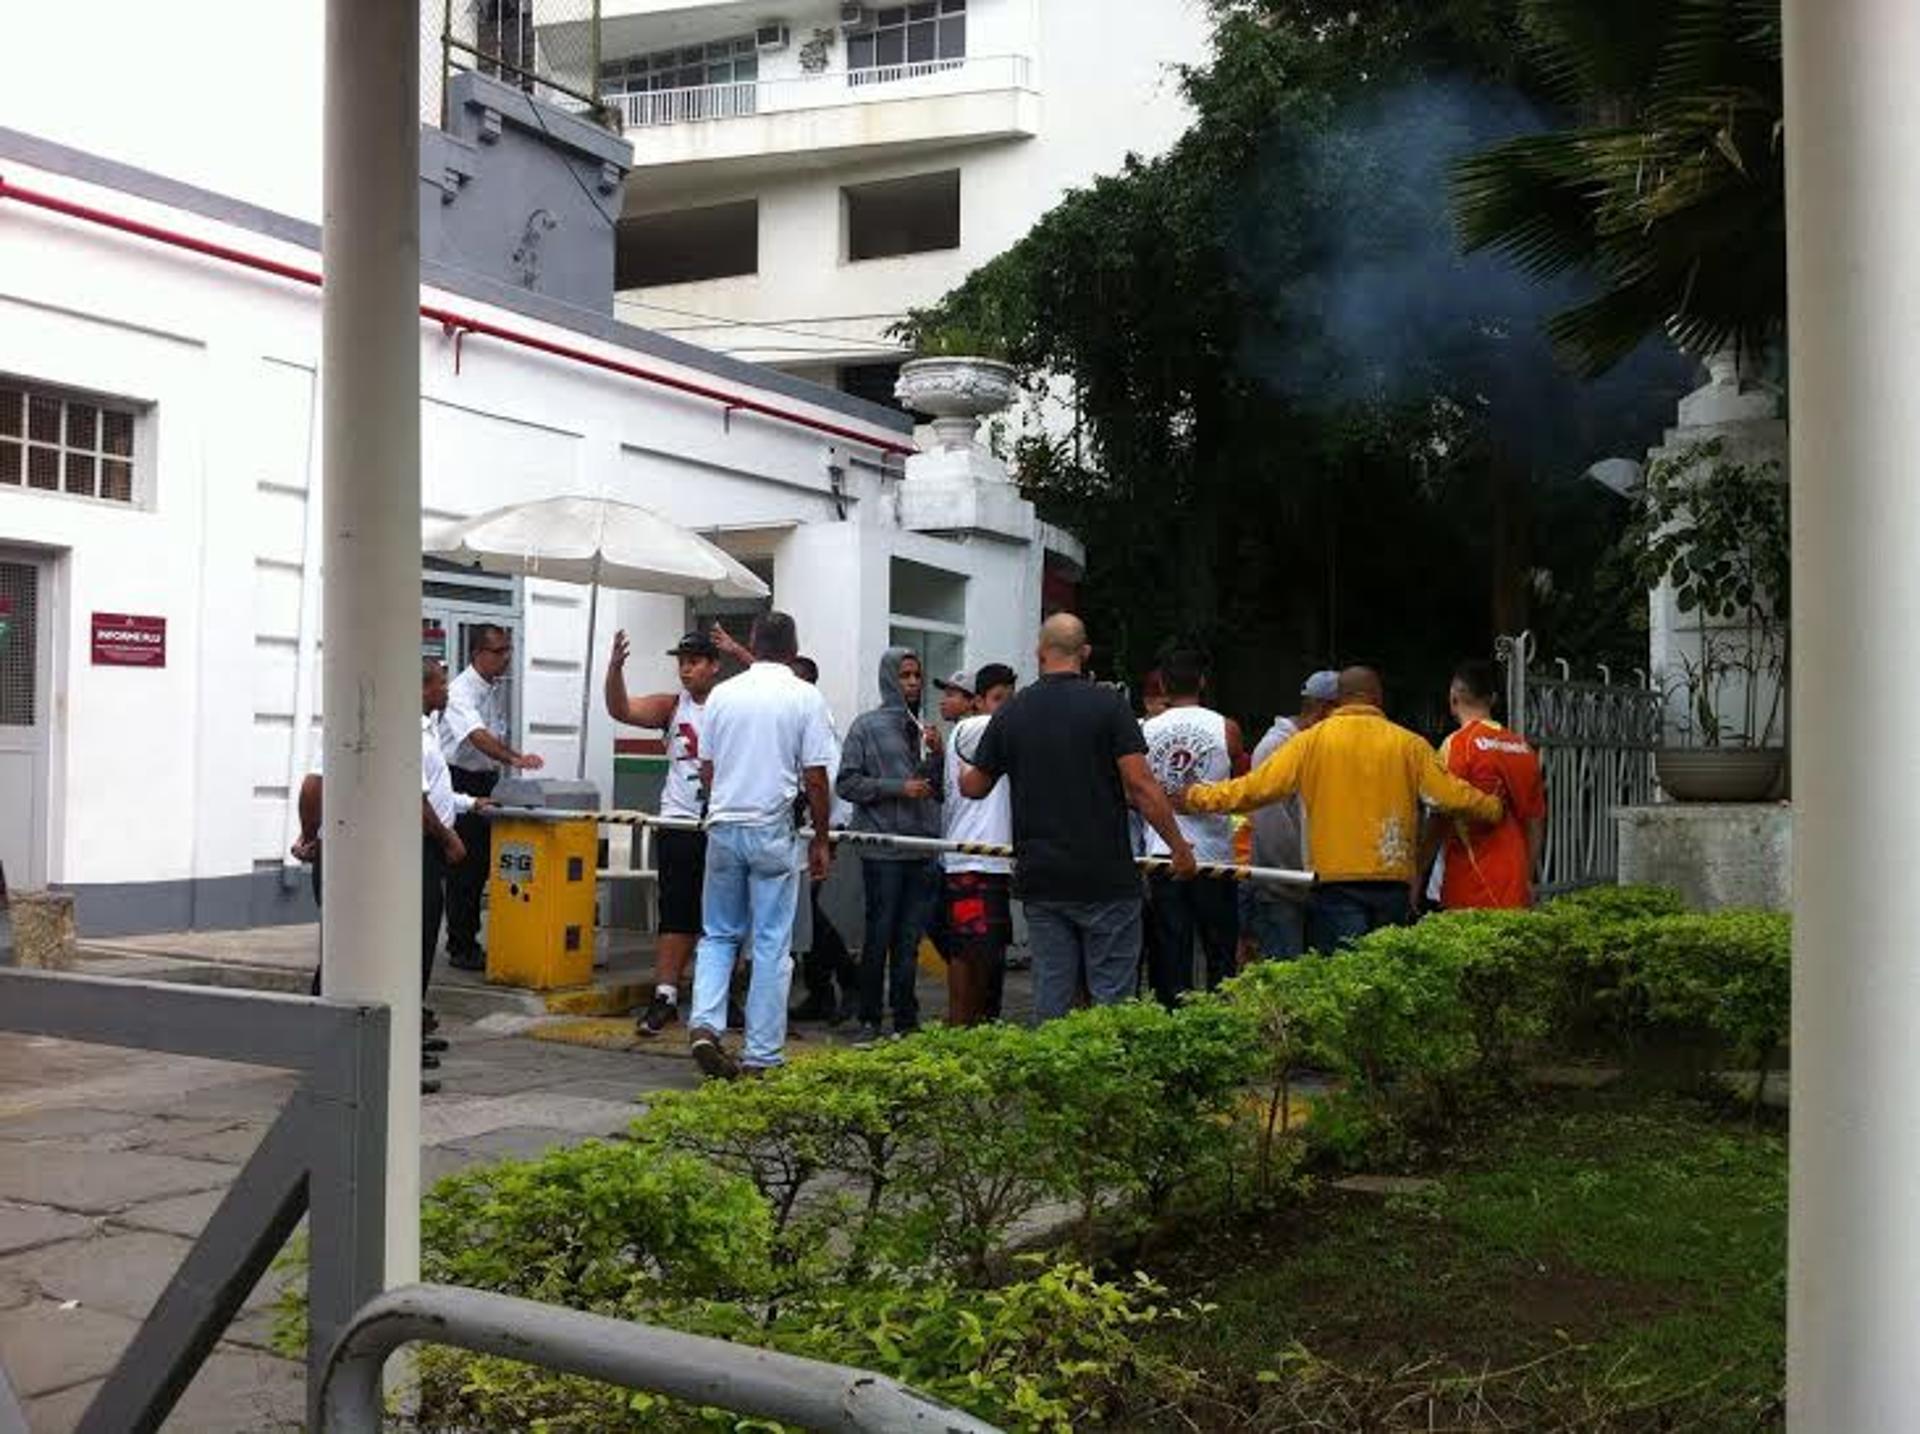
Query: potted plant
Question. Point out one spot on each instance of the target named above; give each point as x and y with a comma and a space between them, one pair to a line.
1715, 530
959, 376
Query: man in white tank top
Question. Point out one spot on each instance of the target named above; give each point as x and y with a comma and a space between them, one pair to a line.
1188, 743
681, 856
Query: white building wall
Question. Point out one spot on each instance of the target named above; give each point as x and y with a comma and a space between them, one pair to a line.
1107, 85
171, 788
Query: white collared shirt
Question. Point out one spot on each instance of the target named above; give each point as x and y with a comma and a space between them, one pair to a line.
436, 782
473, 705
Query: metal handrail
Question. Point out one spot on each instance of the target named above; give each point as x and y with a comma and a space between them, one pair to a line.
739, 99
701, 1371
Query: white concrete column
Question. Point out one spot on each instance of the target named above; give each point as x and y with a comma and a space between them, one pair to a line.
1853, 223
370, 390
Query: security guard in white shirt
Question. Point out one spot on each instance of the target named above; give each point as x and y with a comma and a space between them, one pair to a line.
473, 735
441, 850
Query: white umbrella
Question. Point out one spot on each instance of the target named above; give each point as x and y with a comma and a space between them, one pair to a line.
600, 542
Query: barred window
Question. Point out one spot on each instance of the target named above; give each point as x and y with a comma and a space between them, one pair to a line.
64, 442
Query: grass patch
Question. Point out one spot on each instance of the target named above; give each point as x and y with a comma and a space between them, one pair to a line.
1600, 1261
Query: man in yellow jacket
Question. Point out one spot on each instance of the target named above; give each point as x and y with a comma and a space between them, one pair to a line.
1361, 780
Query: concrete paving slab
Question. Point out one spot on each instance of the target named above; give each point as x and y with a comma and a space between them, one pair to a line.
182, 1215
46, 1347
517, 1142
24, 1227
437, 1162
15, 1293
236, 1392
66, 1124
460, 1120
99, 1182
260, 1097
231, 1145
122, 1272
1386, 1185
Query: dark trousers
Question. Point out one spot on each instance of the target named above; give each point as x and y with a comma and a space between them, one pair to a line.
1340, 912
900, 897
435, 878
467, 881
1177, 911
829, 960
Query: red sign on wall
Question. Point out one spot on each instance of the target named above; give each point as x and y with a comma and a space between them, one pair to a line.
123, 639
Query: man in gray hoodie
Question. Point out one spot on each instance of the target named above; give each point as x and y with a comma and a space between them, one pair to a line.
890, 771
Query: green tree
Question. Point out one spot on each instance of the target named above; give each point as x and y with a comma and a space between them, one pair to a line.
1668, 187
1309, 428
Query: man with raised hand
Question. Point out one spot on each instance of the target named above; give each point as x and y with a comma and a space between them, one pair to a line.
681, 854
768, 738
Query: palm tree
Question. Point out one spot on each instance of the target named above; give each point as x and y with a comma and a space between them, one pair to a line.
1667, 191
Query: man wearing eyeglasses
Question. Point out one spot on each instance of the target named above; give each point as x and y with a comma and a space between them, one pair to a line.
474, 738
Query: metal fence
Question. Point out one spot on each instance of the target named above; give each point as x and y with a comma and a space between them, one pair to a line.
549, 48
1595, 740
324, 1157
807, 1393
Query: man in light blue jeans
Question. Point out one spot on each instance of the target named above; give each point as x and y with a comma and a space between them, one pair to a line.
768, 738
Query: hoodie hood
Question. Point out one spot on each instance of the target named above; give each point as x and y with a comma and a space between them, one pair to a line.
890, 660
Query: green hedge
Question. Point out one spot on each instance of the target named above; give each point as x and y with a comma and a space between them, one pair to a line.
869, 1206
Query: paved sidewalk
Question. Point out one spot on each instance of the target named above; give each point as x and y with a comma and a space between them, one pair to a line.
111, 1161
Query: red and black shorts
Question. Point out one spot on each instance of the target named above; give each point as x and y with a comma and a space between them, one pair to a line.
682, 859
978, 909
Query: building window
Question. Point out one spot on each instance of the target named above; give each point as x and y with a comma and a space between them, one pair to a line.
908, 40
903, 216
927, 611
683, 246
731, 61
61, 442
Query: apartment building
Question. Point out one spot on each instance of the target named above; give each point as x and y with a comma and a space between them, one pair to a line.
805, 172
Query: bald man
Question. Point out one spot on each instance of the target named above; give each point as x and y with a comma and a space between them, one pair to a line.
1075, 760
1361, 780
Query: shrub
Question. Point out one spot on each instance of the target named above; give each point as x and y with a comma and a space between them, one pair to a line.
1045, 1353
1730, 972
596, 1226
1620, 903
861, 1205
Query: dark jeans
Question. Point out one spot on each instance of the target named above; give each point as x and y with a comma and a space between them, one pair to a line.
1097, 942
467, 881
1340, 912
1180, 909
829, 960
1276, 926
435, 878
900, 897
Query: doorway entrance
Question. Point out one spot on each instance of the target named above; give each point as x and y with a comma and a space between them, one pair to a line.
26, 703
455, 603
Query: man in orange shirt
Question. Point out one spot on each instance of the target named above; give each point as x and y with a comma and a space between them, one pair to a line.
1489, 866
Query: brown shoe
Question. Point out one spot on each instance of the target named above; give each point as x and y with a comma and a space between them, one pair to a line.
712, 1057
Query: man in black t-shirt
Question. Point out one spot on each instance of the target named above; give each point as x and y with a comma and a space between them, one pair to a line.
1076, 761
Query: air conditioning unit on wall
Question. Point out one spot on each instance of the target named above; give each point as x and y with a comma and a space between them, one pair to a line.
771, 39
853, 17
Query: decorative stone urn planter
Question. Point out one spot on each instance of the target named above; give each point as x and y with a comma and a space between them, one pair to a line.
1720, 774
958, 392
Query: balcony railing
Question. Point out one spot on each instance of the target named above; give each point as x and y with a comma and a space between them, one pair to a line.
801, 92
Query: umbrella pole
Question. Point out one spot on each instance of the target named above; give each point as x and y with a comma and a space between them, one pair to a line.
586, 682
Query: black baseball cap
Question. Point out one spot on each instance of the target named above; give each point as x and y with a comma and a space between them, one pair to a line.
994, 674
694, 644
